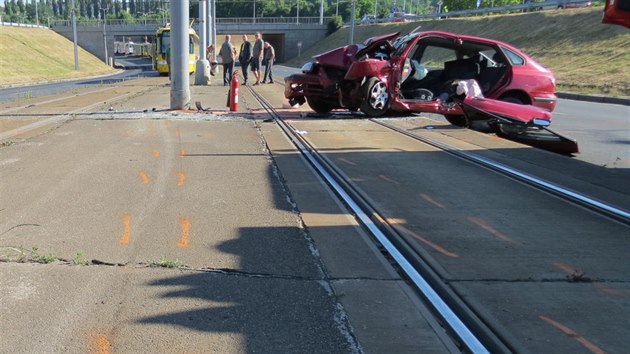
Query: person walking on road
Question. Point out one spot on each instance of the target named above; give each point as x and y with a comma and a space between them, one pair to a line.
244, 57
227, 56
270, 57
257, 57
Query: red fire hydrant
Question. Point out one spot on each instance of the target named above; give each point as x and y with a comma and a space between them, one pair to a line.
233, 94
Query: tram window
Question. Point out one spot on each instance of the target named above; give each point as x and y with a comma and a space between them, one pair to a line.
166, 42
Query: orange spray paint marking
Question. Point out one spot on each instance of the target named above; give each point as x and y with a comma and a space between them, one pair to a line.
126, 235
431, 244
177, 132
182, 179
615, 292
156, 153
569, 332
387, 179
182, 153
566, 268
185, 238
430, 200
101, 345
347, 161
494, 232
144, 177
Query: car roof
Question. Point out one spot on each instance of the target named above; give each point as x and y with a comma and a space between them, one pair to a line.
467, 38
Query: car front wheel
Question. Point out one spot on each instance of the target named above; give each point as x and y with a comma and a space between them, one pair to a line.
456, 120
376, 98
319, 105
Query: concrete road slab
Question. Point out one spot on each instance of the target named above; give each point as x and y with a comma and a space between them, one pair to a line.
558, 317
57, 308
131, 187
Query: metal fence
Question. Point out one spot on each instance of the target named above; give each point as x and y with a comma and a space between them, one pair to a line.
527, 7
224, 20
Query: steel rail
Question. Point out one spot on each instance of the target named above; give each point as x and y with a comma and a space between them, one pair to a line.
339, 186
583, 200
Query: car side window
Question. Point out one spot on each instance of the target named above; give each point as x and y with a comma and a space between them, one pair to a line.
514, 58
434, 57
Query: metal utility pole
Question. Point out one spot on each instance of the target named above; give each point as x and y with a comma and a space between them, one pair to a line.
36, 15
202, 69
254, 13
352, 15
214, 24
321, 12
209, 25
74, 38
104, 32
180, 81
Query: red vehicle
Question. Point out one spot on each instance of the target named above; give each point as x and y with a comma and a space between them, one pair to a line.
417, 72
617, 12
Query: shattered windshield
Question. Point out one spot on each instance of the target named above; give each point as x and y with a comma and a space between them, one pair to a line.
401, 43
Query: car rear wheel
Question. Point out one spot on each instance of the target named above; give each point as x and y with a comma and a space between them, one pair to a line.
319, 105
376, 98
512, 99
456, 120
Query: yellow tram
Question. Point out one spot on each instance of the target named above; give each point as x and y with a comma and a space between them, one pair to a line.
163, 46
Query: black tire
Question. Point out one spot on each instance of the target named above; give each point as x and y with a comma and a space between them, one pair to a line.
456, 120
376, 100
319, 105
513, 99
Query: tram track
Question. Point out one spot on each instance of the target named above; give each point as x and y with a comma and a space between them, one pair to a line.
467, 329
605, 209
493, 334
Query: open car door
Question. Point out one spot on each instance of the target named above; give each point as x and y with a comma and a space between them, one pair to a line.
522, 123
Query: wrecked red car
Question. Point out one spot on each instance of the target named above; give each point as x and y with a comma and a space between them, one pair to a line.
617, 12
418, 72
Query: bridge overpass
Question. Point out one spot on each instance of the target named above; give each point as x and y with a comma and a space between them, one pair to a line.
284, 33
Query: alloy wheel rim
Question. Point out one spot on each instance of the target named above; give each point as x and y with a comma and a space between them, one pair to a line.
378, 96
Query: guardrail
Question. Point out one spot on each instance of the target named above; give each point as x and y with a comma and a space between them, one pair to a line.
19, 24
220, 20
529, 6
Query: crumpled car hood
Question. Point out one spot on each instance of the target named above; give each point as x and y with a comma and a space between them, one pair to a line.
343, 57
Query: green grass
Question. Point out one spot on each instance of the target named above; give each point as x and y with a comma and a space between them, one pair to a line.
40, 258
164, 262
29, 55
79, 259
585, 55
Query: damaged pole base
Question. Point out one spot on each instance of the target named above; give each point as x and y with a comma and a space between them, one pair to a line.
202, 73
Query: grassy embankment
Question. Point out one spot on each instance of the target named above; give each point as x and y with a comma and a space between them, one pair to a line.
29, 55
585, 55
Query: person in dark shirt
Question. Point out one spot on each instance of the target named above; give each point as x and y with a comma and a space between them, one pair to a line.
244, 57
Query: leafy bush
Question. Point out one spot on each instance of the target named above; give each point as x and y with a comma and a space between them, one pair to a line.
334, 24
